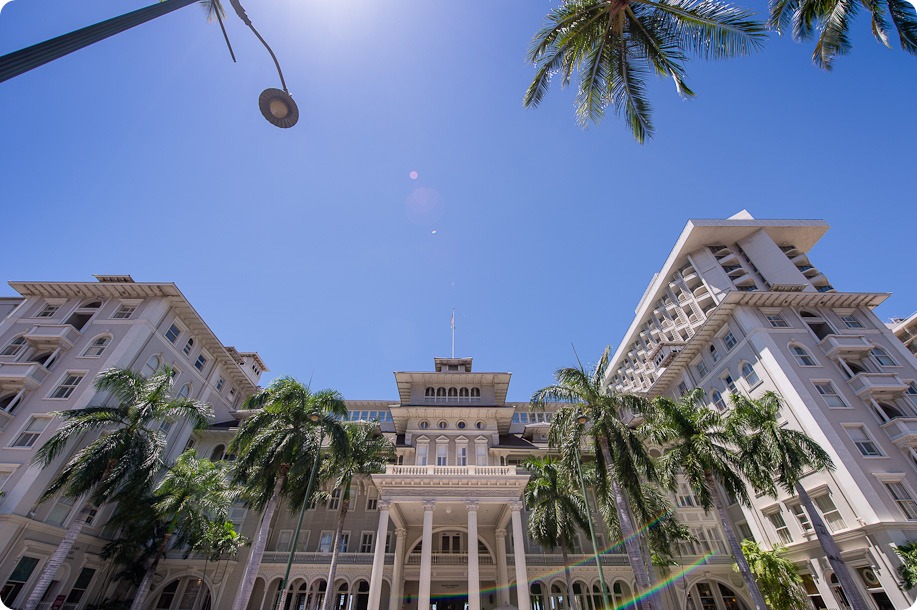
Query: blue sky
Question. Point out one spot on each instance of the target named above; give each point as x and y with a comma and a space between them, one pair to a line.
146, 154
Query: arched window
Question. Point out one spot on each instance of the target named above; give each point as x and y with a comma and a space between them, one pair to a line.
362, 596
890, 411
151, 366
91, 305
341, 600
97, 346
475, 392
882, 358
714, 355
802, 356
6, 402
717, 399
15, 347
816, 323
217, 454
185, 391
429, 392
557, 597
621, 592
440, 391
463, 391
748, 372
537, 596
453, 392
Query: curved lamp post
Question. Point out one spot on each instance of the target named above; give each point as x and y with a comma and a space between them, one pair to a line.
277, 106
582, 420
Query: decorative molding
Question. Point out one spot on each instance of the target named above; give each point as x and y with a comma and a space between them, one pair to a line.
515, 505
472, 505
428, 504
500, 533
385, 505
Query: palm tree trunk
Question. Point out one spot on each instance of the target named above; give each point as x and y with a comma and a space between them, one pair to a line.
254, 560
832, 552
335, 551
146, 584
567, 576
631, 545
57, 559
720, 502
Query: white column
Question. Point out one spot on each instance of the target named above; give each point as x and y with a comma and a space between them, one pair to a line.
397, 595
522, 580
474, 575
375, 579
426, 556
502, 579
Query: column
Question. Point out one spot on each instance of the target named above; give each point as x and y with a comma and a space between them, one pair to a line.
522, 580
502, 578
375, 579
474, 575
397, 595
426, 556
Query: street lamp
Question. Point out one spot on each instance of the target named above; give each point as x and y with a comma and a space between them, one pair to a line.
277, 106
582, 420
314, 417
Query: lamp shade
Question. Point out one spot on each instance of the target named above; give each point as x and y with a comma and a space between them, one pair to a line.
278, 107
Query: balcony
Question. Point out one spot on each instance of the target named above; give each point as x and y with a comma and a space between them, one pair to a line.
845, 346
450, 559
53, 336
902, 431
17, 375
451, 471
323, 558
878, 385
451, 400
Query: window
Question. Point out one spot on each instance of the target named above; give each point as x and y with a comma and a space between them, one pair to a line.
372, 500
344, 541
751, 377
815, 598
167, 595
284, 539
173, 333
783, 532
702, 369
59, 511
718, 401
96, 348
714, 355
422, 454
220, 383
481, 455
335, 502
862, 440
729, 341
803, 358
744, 530
460, 425
48, 311
200, 362
424, 424
15, 347
442, 425
18, 578
480, 425
462, 456
902, 498
31, 432
185, 391
366, 542
441, 455
80, 586
829, 512
66, 387
325, 542
851, 321
729, 383
827, 391
188, 346
801, 517
124, 312
882, 358
151, 366
777, 321
4, 477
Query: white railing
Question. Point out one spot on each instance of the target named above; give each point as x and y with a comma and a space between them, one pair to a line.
452, 400
322, 558
877, 383
453, 471
449, 559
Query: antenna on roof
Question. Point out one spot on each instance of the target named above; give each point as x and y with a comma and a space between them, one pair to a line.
452, 323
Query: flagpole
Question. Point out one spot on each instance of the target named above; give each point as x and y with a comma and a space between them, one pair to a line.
453, 332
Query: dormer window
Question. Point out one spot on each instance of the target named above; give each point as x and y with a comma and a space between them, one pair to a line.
429, 392
463, 391
476, 392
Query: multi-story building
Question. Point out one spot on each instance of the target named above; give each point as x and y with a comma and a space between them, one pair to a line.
906, 330
54, 339
739, 307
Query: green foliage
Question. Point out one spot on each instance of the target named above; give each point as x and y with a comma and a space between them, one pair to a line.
908, 568
615, 45
777, 577
557, 513
368, 453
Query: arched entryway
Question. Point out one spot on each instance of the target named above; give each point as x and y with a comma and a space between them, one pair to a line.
186, 593
712, 595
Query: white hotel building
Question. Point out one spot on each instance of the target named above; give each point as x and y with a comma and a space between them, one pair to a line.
737, 305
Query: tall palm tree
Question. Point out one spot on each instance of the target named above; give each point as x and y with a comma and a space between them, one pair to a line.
123, 460
701, 444
275, 448
777, 456
778, 576
369, 453
556, 515
833, 19
620, 452
615, 44
193, 495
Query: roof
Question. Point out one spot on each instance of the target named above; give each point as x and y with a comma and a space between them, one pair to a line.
511, 441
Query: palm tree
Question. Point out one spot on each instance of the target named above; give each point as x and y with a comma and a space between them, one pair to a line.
701, 444
615, 44
778, 576
777, 456
556, 515
276, 446
369, 453
123, 460
193, 495
833, 18
620, 452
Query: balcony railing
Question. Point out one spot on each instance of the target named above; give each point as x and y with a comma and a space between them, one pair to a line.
845, 345
53, 335
451, 471
450, 559
323, 558
902, 431
451, 400
886, 385
19, 374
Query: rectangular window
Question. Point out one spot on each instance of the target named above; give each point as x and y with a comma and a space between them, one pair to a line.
812, 591
48, 311
325, 542
31, 432
745, 531
463, 456
372, 500
190, 344
729, 383
220, 383
65, 389
863, 441
344, 542
729, 341
702, 369
284, 540
481, 455
777, 321
80, 586
335, 502
802, 517
422, 455
237, 514
882, 357
829, 512
802, 356
18, 578
200, 362
783, 532
4, 477
389, 548
441, 455
903, 499
830, 395
124, 312
366, 542
851, 321
60, 511
173, 333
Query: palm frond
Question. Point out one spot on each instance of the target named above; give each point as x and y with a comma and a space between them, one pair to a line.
904, 16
